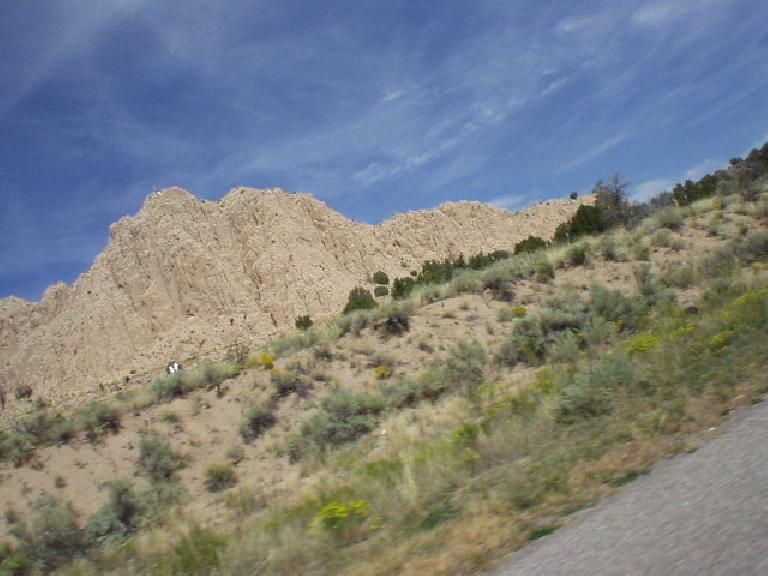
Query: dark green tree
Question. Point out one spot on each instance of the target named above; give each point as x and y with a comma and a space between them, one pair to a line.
587, 220
380, 277
303, 322
530, 244
359, 299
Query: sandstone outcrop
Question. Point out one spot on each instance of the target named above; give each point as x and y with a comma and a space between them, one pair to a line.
187, 276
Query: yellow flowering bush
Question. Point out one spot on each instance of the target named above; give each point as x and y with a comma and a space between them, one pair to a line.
383, 371
262, 358
518, 311
721, 339
336, 516
642, 343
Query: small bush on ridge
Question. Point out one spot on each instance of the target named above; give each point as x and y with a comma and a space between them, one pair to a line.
219, 477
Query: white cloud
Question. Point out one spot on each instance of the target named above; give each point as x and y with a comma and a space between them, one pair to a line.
577, 24
391, 96
554, 86
702, 168
512, 202
592, 153
650, 188
656, 13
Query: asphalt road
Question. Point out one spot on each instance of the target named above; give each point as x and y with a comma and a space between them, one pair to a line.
700, 514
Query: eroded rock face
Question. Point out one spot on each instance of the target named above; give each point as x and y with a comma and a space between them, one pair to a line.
187, 276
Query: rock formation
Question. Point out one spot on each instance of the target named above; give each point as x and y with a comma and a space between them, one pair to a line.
187, 276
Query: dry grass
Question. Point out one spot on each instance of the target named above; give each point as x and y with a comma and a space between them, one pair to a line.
451, 482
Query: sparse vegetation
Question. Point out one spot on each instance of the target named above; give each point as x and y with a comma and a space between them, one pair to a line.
157, 460
438, 420
98, 418
52, 536
23, 392
257, 418
343, 417
219, 477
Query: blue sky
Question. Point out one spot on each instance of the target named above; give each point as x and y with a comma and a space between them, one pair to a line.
374, 107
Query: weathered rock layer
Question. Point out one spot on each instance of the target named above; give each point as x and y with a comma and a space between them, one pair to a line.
188, 276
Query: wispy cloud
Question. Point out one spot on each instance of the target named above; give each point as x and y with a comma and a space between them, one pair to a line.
593, 153
702, 168
373, 108
650, 188
658, 13
512, 202
579, 24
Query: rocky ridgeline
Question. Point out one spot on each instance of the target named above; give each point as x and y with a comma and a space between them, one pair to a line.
187, 276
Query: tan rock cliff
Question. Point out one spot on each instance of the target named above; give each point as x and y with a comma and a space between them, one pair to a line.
188, 276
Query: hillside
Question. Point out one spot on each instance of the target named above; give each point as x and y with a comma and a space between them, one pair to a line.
429, 435
189, 277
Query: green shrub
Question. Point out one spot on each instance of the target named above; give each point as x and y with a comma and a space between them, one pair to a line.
257, 419
649, 288
640, 251
564, 347
379, 291
207, 376
665, 238
669, 218
359, 299
117, 518
430, 385
166, 389
679, 275
402, 288
753, 248
530, 244
235, 453
23, 392
463, 368
53, 536
720, 264
46, 427
544, 269
614, 306
587, 220
343, 417
526, 344
577, 254
219, 477
591, 395
608, 248
196, 553
17, 446
97, 419
13, 562
303, 322
380, 277
157, 496
157, 460
286, 383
